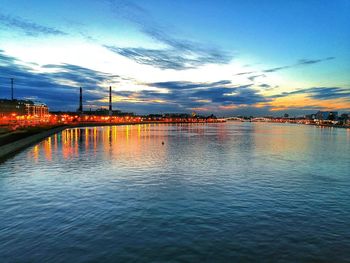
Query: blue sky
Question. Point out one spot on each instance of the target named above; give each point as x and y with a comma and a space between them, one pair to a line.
222, 57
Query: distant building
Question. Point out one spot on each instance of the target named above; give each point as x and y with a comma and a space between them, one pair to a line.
37, 109
23, 107
179, 115
310, 116
333, 115
326, 115
345, 118
107, 112
321, 115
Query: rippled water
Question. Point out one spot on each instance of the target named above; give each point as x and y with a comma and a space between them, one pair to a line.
213, 192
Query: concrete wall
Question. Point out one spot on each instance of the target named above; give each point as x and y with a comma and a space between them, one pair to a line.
11, 148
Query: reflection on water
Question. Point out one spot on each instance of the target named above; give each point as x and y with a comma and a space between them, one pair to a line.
122, 142
211, 192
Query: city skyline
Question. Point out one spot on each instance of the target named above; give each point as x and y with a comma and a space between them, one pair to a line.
226, 58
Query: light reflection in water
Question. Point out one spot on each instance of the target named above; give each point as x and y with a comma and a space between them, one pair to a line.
86, 138
35, 153
124, 141
135, 142
48, 149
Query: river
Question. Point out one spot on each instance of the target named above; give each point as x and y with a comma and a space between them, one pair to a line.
251, 192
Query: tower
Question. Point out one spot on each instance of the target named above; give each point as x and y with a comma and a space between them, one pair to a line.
110, 101
11, 88
80, 109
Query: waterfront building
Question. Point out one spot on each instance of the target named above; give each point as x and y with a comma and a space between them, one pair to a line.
23, 107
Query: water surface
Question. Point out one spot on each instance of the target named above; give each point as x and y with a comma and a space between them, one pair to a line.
212, 193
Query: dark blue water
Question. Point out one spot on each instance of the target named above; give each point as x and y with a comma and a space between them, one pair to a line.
232, 192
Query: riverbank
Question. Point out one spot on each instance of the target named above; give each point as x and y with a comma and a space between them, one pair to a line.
319, 125
22, 140
9, 135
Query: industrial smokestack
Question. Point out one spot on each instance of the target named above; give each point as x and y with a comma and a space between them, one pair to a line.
110, 101
81, 101
11, 88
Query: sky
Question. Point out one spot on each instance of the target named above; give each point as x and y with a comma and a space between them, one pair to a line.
227, 57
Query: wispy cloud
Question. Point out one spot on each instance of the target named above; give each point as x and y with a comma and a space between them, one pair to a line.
313, 61
320, 93
244, 73
91, 79
28, 27
179, 54
301, 62
253, 77
161, 58
187, 85
275, 69
267, 86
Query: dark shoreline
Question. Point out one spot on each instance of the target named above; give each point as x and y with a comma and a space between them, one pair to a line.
296, 123
16, 146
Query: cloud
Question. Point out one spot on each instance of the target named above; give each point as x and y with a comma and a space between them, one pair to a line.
183, 96
191, 95
90, 79
244, 73
186, 85
252, 78
301, 62
178, 54
28, 27
265, 86
163, 59
242, 95
320, 93
276, 69
59, 89
313, 61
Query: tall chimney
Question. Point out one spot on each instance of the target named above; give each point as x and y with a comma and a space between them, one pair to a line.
11, 88
110, 101
81, 101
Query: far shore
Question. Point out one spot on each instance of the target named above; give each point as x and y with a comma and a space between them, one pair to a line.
324, 125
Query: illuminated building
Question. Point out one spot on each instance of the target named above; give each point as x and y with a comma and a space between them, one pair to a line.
23, 107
